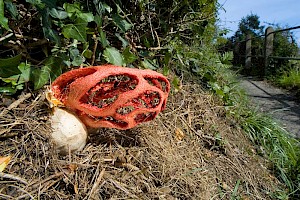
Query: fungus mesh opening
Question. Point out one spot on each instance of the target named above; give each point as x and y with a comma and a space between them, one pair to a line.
144, 117
112, 120
148, 99
108, 89
64, 84
125, 110
152, 99
157, 82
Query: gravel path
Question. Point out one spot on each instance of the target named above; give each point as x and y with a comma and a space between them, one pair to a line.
276, 102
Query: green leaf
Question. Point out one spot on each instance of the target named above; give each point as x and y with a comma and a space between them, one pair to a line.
55, 64
128, 56
8, 90
75, 31
47, 24
52, 35
101, 7
20, 86
124, 41
121, 23
146, 42
12, 9
87, 53
50, 3
74, 52
59, 14
25, 72
40, 77
12, 79
98, 20
71, 8
103, 39
37, 3
226, 89
176, 83
107, 8
87, 17
144, 53
77, 59
3, 20
167, 58
9, 66
113, 56
166, 71
219, 92
215, 85
149, 64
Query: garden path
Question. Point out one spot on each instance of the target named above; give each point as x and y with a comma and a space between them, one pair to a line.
278, 103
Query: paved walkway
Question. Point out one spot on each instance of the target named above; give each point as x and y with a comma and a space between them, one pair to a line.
274, 101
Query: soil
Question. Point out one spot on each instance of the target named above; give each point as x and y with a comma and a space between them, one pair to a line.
190, 151
282, 105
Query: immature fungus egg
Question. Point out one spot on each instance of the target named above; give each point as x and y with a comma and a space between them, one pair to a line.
68, 132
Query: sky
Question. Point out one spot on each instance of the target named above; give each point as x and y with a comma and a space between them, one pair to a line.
286, 13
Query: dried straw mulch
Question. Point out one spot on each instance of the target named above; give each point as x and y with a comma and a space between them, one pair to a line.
191, 151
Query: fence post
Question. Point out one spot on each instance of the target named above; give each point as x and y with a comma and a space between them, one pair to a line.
268, 47
248, 52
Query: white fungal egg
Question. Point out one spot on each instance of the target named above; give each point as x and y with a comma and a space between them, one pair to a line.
68, 132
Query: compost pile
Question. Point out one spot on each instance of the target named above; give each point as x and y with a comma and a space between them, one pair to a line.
189, 151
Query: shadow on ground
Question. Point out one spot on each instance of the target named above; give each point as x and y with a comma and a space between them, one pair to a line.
278, 103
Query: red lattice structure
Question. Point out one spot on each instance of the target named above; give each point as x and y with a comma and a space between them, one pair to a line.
112, 96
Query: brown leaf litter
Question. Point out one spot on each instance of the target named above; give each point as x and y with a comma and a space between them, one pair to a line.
190, 151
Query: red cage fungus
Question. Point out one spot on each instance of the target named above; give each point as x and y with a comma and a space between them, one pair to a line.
112, 96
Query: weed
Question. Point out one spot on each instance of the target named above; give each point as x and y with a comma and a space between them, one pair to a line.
282, 150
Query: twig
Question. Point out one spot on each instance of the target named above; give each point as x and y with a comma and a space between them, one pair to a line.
149, 18
6, 36
150, 48
4, 196
9, 135
96, 184
158, 41
36, 185
13, 177
47, 179
119, 186
15, 104
26, 193
94, 50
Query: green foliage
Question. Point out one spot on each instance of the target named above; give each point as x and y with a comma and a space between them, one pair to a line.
3, 19
9, 66
250, 25
284, 45
113, 56
275, 142
269, 138
209, 66
226, 58
83, 33
290, 77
